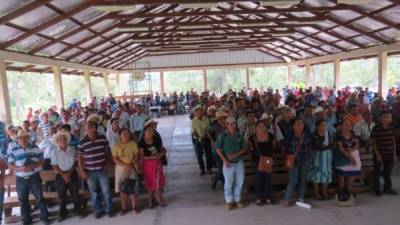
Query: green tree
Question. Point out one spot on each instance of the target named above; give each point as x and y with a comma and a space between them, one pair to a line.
220, 81
268, 77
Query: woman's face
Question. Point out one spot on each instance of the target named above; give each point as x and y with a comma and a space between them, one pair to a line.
261, 128
346, 126
298, 126
148, 132
125, 136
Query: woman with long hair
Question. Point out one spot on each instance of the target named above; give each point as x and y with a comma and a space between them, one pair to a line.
151, 152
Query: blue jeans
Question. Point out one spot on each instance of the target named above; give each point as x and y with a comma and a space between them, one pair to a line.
297, 176
26, 185
100, 179
234, 178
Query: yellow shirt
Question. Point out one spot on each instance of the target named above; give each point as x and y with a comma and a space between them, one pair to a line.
126, 152
200, 127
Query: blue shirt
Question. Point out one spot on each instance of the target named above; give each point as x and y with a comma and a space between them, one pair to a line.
301, 147
137, 122
24, 157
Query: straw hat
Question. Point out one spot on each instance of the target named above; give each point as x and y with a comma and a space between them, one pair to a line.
230, 120
22, 133
150, 121
56, 136
265, 116
198, 107
220, 114
212, 108
319, 109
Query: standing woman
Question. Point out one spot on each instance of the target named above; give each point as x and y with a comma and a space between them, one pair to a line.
151, 151
125, 154
262, 143
321, 172
347, 158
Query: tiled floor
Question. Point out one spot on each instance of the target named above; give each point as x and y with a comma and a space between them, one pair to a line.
191, 202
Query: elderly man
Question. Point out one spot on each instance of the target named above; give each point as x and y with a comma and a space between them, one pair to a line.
26, 160
93, 155
202, 143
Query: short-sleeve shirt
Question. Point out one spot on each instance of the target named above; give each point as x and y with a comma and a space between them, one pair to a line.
125, 152
152, 149
347, 143
65, 160
229, 144
384, 140
25, 157
264, 147
94, 152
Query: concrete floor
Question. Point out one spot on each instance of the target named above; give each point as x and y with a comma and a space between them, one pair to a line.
190, 200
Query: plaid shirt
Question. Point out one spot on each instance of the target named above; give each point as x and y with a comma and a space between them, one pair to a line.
301, 147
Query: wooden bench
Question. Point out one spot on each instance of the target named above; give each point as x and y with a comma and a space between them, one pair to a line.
11, 199
279, 177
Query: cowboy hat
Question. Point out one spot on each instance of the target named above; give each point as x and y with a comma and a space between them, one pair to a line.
148, 122
56, 136
22, 133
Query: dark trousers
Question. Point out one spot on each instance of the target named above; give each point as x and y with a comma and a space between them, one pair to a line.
50, 186
26, 185
203, 147
263, 185
219, 175
73, 188
383, 169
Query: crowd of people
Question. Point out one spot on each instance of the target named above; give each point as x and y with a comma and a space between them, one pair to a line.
320, 132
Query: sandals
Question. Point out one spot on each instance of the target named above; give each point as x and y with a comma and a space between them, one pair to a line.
123, 212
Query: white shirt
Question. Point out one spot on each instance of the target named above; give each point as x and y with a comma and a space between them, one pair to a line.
124, 120
47, 146
362, 129
112, 137
64, 160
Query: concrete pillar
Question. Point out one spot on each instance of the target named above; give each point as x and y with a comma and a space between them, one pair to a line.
88, 86
162, 82
58, 86
106, 85
247, 77
5, 110
336, 73
382, 73
289, 75
309, 80
118, 87
205, 81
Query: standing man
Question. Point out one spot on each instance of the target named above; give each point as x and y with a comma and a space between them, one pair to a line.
231, 148
138, 120
202, 143
93, 156
383, 143
26, 160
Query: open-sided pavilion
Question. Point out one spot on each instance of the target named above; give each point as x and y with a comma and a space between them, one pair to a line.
102, 37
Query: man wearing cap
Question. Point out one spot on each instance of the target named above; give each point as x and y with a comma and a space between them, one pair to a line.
94, 155
202, 143
26, 160
138, 120
231, 148
215, 130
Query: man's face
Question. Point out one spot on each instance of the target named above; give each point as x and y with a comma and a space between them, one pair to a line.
23, 141
91, 129
386, 119
354, 110
199, 113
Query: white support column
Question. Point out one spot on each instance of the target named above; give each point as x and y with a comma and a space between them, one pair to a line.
5, 109
162, 82
205, 81
88, 86
289, 75
336, 73
106, 85
58, 86
118, 88
382, 73
309, 81
247, 77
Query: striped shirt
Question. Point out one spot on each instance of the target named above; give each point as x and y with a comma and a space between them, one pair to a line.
94, 152
384, 141
45, 128
24, 157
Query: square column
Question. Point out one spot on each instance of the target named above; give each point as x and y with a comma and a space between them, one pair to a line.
58, 87
382, 73
5, 109
309, 80
88, 86
247, 77
118, 88
336, 73
289, 75
106, 85
205, 81
162, 82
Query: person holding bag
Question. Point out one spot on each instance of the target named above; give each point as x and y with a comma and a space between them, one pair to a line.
125, 154
263, 145
298, 147
231, 148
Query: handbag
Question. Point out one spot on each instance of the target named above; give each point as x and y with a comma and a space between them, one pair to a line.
265, 163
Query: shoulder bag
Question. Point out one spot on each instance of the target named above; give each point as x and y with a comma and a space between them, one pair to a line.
265, 163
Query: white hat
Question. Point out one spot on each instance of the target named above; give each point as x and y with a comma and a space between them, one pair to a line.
212, 108
59, 134
266, 116
198, 107
150, 121
319, 109
22, 133
230, 120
